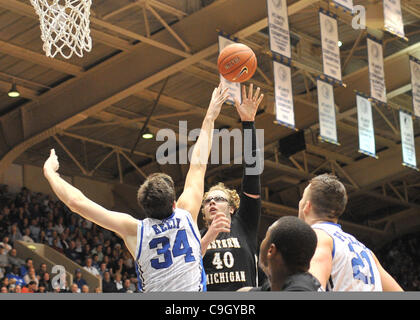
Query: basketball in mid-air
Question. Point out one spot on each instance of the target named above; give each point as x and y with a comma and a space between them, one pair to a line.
237, 62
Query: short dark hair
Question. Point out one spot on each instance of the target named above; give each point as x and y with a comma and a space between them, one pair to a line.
295, 240
328, 196
156, 196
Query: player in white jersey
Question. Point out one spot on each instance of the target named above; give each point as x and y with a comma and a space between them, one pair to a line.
340, 262
170, 272
165, 245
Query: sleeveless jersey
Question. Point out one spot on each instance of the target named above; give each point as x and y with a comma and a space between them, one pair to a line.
168, 254
353, 266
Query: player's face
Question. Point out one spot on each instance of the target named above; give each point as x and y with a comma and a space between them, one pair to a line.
216, 201
263, 261
303, 202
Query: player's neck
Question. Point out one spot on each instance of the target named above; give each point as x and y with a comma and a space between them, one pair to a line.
313, 220
277, 280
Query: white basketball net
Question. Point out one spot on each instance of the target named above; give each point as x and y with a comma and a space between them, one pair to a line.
64, 26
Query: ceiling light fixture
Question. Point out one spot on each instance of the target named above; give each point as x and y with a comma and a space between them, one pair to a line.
13, 92
147, 135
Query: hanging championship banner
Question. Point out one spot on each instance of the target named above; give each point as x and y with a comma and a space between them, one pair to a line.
283, 95
278, 27
393, 21
329, 41
234, 87
326, 111
345, 4
415, 84
407, 140
376, 69
365, 125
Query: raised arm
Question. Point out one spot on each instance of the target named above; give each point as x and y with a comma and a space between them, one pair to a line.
123, 224
192, 195
251, 185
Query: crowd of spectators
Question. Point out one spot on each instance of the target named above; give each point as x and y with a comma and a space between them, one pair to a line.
35, 217
401, 258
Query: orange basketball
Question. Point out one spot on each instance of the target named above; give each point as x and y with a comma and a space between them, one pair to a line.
237, 62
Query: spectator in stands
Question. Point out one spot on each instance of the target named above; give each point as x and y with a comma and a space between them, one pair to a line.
14, 260
14, 234
107, 284
45, 282
102, 269
18, 289
118, 281
25, 267
59, 226
71, 252
4, 290
31, 276
75, 288
6, 244
56, 245
35, 229
98, 250
95, 261
12, 288
27, 235
43, 237
31, 287
14, 275
85, 289
42, 270
89, 267
4, 261
126, 287
78, 279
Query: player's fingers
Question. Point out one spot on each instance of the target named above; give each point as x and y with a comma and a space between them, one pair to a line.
260, 99
257, 93
251, 89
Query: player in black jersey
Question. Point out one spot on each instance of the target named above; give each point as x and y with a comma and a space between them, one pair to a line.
285, 256
229, 241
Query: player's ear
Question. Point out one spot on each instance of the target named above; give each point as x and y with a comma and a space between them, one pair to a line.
272, 250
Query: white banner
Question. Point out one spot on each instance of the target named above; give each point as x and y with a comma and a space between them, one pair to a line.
330, 50
365, 125
376, 70
407, 140
346, 4
283, 95
234, 87
326, 111
278, 26
415, 84
393, 21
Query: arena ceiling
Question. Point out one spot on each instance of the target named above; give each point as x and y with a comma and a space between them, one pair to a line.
160, 56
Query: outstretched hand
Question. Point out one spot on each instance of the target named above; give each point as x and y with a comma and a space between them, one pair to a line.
52, 162
218, 98
248, 109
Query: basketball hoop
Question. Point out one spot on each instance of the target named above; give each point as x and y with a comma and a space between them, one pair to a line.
64, 26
